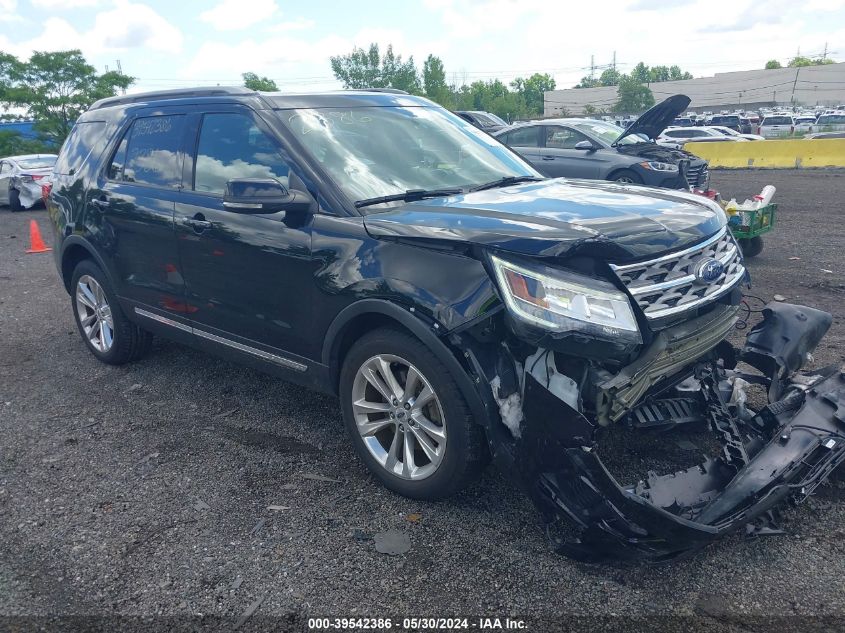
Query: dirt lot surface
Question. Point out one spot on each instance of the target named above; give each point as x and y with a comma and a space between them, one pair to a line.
144, 490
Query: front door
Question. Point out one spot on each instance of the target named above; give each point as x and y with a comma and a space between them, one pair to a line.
5, 174
561, 159
248, 276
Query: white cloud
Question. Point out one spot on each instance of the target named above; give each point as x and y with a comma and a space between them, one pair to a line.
299, 24
233, 15
57, 5
126, 26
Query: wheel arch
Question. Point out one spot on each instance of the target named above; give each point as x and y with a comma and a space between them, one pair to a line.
74, 250
369, 314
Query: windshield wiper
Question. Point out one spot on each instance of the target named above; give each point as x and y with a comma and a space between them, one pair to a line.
505, 182
409, 196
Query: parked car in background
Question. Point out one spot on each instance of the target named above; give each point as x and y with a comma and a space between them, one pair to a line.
599, 150
726, 131
682, 122
678, 136
830, 122
776, 125
20, 179
727, 120
486, 121
804, 123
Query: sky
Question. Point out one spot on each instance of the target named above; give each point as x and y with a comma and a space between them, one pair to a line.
180, 43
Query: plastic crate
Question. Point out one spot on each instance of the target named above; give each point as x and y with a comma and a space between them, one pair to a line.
748, 224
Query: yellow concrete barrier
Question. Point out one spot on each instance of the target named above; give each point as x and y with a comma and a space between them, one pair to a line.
829, 152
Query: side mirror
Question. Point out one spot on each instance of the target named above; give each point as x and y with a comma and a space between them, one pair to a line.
263, 195
586, 146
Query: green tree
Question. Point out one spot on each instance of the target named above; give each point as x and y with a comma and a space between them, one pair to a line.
533, 91
368, 69
633, 96
54, 88
254, 82
772, 64
640, 73
676, 74
587, 82
610, 77
800, 61
434, 82
590, 109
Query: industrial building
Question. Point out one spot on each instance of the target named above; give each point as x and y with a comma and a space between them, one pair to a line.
750, 89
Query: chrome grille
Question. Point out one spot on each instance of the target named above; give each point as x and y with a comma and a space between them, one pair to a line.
697, 176
668, 285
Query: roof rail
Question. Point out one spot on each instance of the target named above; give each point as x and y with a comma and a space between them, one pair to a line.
393, 91
185, 93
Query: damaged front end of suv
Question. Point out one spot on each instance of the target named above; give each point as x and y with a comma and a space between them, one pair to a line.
579, 345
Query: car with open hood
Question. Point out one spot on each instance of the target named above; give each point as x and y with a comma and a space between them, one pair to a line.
461, 307
599, 150
21, 178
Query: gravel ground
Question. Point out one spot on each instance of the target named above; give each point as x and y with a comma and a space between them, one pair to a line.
143, 490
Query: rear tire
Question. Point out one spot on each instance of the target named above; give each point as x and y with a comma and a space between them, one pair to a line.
751, 247
626, 177
103, 326
448, 449
15, 200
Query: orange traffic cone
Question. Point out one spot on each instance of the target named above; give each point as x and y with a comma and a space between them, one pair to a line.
37, 245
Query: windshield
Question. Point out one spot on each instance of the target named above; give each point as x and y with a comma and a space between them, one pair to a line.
378, 151
727, 131
42, 162
494, 119
831, 118
777, 120
607, 132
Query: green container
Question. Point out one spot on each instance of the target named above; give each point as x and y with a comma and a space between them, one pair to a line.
747, 224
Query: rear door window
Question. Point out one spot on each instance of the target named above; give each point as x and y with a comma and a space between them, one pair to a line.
231, 146
524, 137
149, 152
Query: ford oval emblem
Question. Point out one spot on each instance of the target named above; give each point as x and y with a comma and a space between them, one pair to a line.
708, 270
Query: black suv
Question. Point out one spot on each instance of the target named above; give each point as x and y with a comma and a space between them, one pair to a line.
376, 246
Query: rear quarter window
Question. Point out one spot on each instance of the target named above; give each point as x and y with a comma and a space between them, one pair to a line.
84, 139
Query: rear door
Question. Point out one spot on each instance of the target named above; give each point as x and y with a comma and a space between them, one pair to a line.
525, 140
248, 277
561, 159
129, 214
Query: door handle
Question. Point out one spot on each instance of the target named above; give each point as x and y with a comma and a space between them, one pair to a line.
198, 222
101, 203
548, 157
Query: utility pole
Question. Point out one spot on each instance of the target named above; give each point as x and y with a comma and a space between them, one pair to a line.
824, 56
592, 66
614, 59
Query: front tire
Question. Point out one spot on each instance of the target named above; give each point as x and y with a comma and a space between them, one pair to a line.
407, 418
15, 200
626, 177
103, 326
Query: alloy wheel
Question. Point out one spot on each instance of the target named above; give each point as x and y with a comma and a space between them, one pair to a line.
94, 312
627, 180
399, 417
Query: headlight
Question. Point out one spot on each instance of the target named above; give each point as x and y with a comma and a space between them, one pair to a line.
566, 302
654, 165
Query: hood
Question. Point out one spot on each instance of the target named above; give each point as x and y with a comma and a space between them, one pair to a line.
555, 218
656, 119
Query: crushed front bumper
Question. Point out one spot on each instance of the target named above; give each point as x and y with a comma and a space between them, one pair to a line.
783, 452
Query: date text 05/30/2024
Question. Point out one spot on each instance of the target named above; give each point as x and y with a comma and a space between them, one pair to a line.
418, 624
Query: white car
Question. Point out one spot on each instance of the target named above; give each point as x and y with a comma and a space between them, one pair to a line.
830, 123
805, 123
731, 132
776, 126
20, 179
677, 136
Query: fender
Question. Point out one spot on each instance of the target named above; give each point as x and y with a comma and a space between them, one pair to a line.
78, 240
418, 328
